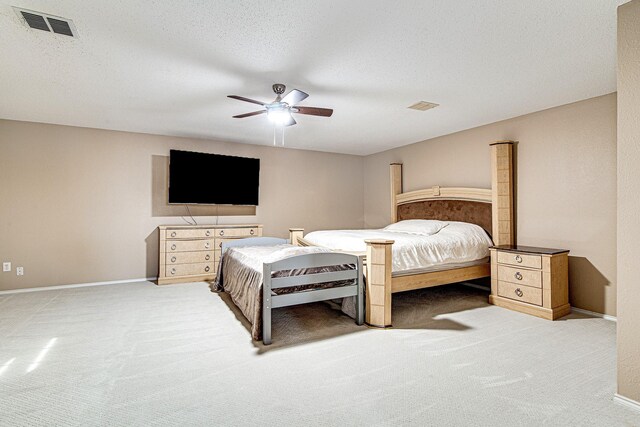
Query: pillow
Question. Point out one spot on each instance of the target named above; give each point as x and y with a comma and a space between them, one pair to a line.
425, 227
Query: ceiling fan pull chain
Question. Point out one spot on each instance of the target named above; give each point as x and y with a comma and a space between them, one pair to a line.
274, 135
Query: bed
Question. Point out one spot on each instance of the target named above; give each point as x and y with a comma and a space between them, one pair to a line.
492, 210
262, 274
420, 245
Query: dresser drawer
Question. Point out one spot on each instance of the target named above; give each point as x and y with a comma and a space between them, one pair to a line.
189, 245
205, 268
193, 233
520, 293
236, 232
190, 257
520, 276
520, 260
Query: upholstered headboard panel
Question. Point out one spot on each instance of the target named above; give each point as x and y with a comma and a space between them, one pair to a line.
449, 210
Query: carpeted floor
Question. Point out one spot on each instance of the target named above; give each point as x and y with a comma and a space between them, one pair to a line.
138, 354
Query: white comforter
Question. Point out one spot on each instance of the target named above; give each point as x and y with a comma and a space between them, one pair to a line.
457, 243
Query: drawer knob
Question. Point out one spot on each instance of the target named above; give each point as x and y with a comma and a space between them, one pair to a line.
173, 247
519, 292
518, 275
207, 257
518, 259
222, 232
206, 245
173, 259
206, 269
207, 233
173, 234
251, 232
173, 271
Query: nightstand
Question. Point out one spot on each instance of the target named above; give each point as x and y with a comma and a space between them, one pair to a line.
530, 280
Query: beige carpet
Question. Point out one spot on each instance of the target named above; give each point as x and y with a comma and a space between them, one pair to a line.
137, 354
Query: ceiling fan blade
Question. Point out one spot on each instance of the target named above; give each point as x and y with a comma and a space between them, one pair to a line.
242, 98
315, 111
253, 113
293, 97
290, 121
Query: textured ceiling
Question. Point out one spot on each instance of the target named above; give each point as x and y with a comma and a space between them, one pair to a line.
165, 67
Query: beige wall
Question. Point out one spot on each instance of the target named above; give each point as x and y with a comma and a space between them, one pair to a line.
629, 200
566, 185
82, 205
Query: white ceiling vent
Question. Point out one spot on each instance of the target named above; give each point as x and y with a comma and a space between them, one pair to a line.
46, 22
423, 106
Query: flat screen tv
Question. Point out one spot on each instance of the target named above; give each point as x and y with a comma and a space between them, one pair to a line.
201, 178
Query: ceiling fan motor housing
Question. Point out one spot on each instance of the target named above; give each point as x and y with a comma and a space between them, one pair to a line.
279, 88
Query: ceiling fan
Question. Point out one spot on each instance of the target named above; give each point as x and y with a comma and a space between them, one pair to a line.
279, 111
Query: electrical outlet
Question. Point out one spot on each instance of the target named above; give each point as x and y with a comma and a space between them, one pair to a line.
20, 271
6, 266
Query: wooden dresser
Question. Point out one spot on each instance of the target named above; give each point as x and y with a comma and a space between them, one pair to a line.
191, 253
531, 280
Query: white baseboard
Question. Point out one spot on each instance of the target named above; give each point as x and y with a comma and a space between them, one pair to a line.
77, 285
625, 401
594, 314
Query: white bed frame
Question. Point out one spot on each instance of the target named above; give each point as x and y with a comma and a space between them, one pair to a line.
323, 259
313, 260
380, 284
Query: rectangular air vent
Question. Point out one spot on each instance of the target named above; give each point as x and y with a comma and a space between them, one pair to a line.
59, 26
46, 22
423, 106
35, 21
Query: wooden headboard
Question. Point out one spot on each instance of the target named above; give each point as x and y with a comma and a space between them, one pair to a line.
471, 205
491, 209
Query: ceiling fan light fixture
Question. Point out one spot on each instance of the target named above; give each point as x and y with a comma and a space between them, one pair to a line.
279, 115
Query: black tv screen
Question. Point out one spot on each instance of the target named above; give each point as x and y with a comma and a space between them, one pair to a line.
201, 178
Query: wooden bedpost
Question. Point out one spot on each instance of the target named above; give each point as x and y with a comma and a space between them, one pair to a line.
294, 233
502, 193
395, 170
378, 295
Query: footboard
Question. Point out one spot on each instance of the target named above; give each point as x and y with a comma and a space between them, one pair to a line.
380, 284
307, 261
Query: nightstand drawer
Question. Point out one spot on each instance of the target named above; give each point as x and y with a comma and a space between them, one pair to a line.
189, 245
520, 260
520, 293
191, 269
237, 232
190, 257
520, 276
194, 233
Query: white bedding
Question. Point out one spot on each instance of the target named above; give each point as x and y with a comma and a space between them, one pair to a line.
454, 244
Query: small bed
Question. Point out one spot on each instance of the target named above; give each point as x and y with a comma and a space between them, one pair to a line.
391, 262
261, 274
